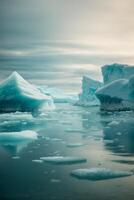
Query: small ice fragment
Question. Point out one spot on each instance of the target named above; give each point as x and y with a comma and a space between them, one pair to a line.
37, 161
75, 130
15, 157
113, 123
96, 174
56, 139
55, 181
63, 159
119, 133
73, 145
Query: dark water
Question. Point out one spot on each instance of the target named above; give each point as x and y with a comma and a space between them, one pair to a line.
105, 145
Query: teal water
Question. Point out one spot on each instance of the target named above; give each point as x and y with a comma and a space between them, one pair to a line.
67, 131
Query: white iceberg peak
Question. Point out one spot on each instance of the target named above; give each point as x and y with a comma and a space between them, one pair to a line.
16, 94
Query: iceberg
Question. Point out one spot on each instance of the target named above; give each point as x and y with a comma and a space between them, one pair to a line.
88, 97
118, 95
63, 160
96, 174
18, 136
16, 94
116, 71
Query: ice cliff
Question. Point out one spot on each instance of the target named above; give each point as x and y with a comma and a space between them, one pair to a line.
16, 94
89, 87
116, 71
118, 95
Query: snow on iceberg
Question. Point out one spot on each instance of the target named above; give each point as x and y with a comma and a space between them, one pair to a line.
16, 94
63, 159
117, 95
96, 174
116, 71
58, 95
89, 87
18, 136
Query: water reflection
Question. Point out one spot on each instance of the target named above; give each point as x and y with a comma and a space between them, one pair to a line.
119, 137
13, 147
10, 122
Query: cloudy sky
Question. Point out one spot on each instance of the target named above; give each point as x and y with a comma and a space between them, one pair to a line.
56, 42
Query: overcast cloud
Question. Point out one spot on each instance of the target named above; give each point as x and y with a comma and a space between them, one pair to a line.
58, 41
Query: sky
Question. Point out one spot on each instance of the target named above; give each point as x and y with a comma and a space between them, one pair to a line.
56, 42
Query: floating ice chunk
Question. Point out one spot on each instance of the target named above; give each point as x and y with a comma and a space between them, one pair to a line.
95, 174
37, 161
63, 159
15, 157
16, 94
55, 181
74, 145
113, 123
88, 97
72, 130
18, 136
56, 139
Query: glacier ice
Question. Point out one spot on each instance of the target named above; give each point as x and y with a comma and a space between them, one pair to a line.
16, 94
117, 95
18, 136
63, 159
88, 97
58, 95
95, 174
116, 71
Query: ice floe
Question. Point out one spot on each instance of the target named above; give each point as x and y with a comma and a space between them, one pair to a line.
63, 159
95, 174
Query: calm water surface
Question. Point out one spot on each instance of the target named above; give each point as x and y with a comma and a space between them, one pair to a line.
108, 140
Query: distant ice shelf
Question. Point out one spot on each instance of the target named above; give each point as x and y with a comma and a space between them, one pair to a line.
58, 95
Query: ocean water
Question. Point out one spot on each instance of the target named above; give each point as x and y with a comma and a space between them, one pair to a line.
105, 140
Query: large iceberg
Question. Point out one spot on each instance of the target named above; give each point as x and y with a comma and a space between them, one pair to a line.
116, 71
16, 94
117, 95
89, 87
